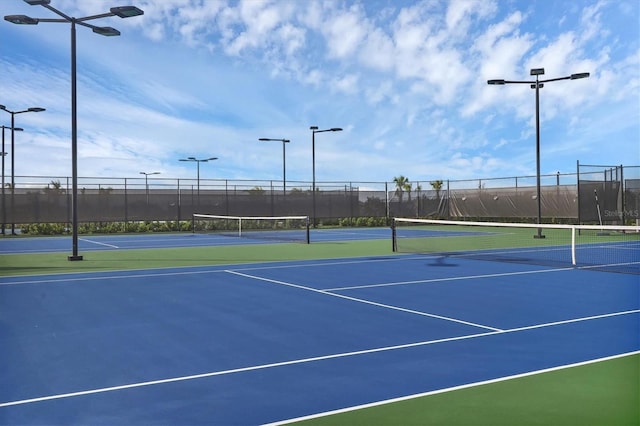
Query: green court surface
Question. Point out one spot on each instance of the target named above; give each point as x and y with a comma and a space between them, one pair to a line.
598, 394
52, 263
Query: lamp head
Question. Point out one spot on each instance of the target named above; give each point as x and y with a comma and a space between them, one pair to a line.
495, 82
106, 31
21, 19
37, 2
126, 11
313, 128
579, 75
36, 109
537, 71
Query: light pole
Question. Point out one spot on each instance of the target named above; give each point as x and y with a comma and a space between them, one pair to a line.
13, 127
538, 84
146, 182
284, 162
122, 12
3, 153
198, 161
314, 130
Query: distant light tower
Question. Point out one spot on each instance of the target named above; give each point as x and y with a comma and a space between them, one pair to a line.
197, 161
314, 130
537, 85
120, 11
284, 162
146, 182
13, 174
3, 153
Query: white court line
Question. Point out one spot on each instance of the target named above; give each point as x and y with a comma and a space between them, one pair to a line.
367, 302
451, 389
98, 243
183, 270
302, 361
435, 280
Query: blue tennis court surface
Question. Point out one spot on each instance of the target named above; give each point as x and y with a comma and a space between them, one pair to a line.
263, 343
152, 241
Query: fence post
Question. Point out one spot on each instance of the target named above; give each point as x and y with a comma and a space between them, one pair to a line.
126, 205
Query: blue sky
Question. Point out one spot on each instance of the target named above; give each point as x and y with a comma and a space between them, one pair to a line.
406, 80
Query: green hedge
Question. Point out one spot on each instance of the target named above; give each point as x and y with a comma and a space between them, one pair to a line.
165, 226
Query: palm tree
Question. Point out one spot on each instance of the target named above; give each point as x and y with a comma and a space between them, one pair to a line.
55, 187
401, 183
437, 185
407, 187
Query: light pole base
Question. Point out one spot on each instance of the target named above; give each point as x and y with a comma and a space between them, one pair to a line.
539, 236
73, 258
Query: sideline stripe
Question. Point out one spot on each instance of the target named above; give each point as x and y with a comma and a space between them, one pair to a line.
435, 280
367, 302
98, 243
302, 361
455, 388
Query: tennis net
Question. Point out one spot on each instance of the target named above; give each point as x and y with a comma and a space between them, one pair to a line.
276, 228
608, 248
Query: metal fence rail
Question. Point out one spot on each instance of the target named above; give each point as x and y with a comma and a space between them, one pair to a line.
47, 199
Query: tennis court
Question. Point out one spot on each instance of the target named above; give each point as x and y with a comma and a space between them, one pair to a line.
167, 240
259, 343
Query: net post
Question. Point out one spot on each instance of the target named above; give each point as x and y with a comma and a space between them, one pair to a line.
308, 231
394, 245
193, 223
240, 227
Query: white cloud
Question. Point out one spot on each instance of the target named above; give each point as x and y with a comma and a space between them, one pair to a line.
209, 77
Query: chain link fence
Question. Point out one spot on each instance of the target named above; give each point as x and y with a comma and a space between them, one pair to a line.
564, 198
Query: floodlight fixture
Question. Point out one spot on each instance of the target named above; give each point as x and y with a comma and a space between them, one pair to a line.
106, 31
126, 11
120, 11
198, 161
314, 130
579, 75
538, 84
3, 154
13, 168
21, 19
284, 161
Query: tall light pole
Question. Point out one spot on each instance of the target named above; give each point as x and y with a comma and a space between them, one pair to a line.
13, 183
314, 130
4, 153
284, 162
120, 11
538, 84
146, 182
198, 161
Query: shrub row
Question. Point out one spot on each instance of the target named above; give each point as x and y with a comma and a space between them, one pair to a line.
165, 226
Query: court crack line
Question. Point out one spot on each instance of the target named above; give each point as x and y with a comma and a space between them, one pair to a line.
368, 302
